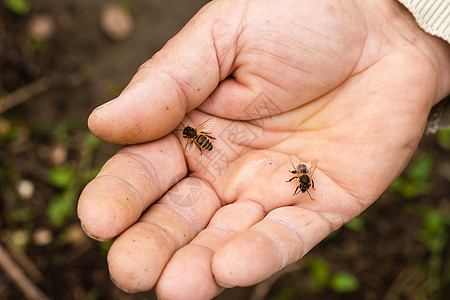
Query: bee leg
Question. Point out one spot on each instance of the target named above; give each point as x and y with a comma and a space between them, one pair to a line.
291, 179
293, 172
310, 195
312, 181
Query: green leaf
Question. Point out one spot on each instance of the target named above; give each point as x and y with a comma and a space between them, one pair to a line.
61, 177
434, 230
344, 282
416, 181
61, 207
320, 274
8, 130
91, 141
104, 246
435, 221
92, 295
60, 132
420, 170
443, 139
39, 46
356, 224
286, 293
20, 7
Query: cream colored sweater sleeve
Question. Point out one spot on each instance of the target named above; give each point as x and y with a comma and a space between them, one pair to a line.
432, 15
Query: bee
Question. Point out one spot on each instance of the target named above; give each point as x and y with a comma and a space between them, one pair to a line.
304, 173
198, 136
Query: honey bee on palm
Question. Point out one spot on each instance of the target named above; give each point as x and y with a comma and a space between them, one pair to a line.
303, 173
199, 137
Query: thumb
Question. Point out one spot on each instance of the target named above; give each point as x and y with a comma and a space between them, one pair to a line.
173, 82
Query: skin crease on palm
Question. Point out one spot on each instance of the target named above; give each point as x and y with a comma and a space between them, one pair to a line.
350, 83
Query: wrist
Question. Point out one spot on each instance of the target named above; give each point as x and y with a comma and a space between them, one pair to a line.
399, 29
434, 49
437, 51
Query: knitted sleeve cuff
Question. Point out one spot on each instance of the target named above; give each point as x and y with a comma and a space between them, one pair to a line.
432, 15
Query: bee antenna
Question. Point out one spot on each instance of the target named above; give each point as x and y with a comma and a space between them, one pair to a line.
310, 195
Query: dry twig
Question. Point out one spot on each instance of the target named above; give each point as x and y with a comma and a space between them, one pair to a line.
15, 273
24, 93
37, 87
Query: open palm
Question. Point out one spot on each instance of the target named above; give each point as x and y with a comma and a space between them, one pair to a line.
310, 79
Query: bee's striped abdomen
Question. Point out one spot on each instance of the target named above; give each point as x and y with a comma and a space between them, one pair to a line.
204, 142
208, 145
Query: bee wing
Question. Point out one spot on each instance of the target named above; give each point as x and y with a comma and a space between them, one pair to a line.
189, 146
205, 126
313, 166
295, 162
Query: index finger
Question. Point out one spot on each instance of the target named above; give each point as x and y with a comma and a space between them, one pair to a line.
128, 183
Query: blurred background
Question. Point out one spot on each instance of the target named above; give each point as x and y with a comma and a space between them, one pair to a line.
61, 59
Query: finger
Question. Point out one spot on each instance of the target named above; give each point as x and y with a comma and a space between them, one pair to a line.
127, 184
138, 256
189, 270
173, 82
283, 237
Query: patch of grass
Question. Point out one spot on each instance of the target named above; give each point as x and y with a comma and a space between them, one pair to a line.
443, 139
70, 178
8, 130
344, 282
341, 282
62, 206
62, 177
415, 180
39, 46
104, 246
19, 7
434, 235
287, 292
356, 224
319, 273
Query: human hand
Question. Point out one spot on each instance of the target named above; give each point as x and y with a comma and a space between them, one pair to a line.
348, 83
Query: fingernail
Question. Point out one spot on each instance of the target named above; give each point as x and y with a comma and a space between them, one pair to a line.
104, 105
92, 236
115, 283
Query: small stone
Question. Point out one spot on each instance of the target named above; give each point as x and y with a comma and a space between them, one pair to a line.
25, 189
58, 155
41, 28
42, 237
116, 22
